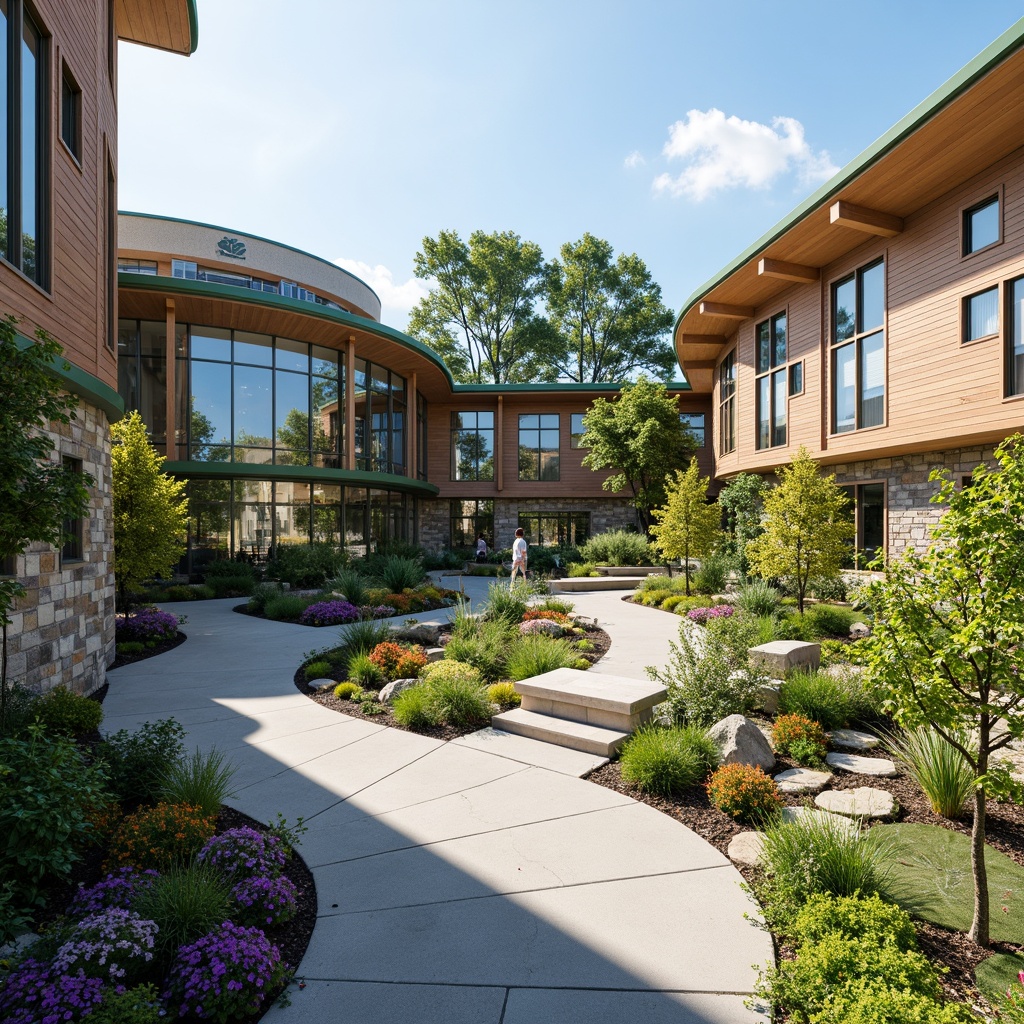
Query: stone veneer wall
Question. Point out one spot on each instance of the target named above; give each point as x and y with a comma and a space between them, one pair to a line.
605, 514
62, 631
909, 510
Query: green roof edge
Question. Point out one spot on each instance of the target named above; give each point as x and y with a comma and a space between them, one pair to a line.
569, 385
193, 25
249, 234
993, 54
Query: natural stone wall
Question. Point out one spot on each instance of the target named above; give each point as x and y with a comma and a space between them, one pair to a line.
909, 510
63, 628
605, 514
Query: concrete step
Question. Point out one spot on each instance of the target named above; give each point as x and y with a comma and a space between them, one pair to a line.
611, 702
591, 739
634, 570
579, 583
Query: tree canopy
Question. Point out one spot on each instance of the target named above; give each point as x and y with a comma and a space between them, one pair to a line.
640, 438
948, 632
608, 315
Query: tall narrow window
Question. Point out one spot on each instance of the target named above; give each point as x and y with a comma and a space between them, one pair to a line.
72, 549
858, 350
867, 510
24, 154
1015, 339
111, 254
576, 430
727, 404
538, 446
71, 114
772, 382
472, 445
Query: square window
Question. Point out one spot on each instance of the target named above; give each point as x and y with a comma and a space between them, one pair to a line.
71, 114
981, 315
694, 423
981, 225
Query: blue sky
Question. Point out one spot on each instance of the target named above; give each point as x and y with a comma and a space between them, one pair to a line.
676, 130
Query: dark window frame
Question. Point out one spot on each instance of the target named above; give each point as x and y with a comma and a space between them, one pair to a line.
699, 432
71, 113
457, 428
538, 448
859, 553
1012, 325
774, 374
481, 519
572, 530
966, 337
727, 375
967, 247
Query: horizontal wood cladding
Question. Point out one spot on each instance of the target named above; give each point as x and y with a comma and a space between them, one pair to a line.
575, 480
940, 392
72, 310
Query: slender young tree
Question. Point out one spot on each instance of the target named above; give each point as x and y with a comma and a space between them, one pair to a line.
948, 634
37, 494
807, 527
687, 526
740, 501
150, 509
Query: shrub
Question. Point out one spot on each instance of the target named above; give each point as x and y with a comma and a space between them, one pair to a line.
413, 708
583, 644
711, 576
744, 792
352, 584
868, 1001
667, 761
348, 691
231, 586
830, 620
68, 714
535, 655
130, 647
319, 669
225, 974
226, 568
942, 772
834, 652
506, 603
654, 598
285, 607
329, 613
394, 660
261, 594
48, 796
796, 735
829, 589
481, 643
853, 917
556, 604
758, 597
449, 669
822, 698
504, 695
160, 836
138, 1005
35, 991
578, 569
546, 614
147, 625
183, 592
306, 565
399, 573
702, 615
265, 901
202, 780
412, 663
138, 762
363, 672
20, 710
244, 852
113, 944
617, 547
118, 889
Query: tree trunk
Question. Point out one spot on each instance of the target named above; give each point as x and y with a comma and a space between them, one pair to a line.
686, 560
3, 679
980, 925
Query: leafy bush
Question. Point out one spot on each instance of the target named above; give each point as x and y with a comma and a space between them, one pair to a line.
535, 655
506, 603
853, 917
244, 852
64, 713
483, 643
147, 625
138, 762
667, 761
829, 589
183, 592
711, 576
226, 973
822, 698
231, 586
576, 570
20, 710
363, 672
504, 695
398, 661
758, 597
795, 730
445, 559
556, 604
449, 669
835, 652
744, 792
937, 767
319, 669
113, 944
867, 1001
285, 607
617, 547
160, 837
265, 901
36, 991
328, 613
399, 573
306, 565
202, 780
137, 1005
831, 620
352, 584
130, 647
120, 888
413, 708
348, 691
260, 595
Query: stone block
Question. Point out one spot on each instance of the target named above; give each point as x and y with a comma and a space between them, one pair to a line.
862, 802
435, 654
389, 692
740, 741
782, 656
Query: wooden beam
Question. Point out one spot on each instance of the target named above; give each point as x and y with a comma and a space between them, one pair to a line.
702, 339
784, 271
723, 309
874, 222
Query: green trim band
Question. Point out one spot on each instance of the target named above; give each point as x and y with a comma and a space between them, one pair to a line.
569, 386
178, 286
1009, 42
89, 388
193, 25
303, 474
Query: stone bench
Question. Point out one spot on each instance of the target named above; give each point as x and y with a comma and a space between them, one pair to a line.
781, 656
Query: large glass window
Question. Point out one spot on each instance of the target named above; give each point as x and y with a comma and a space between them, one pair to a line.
1015, 339
538, 446
24, 135
727, 404
472, 445
981, 315
142, 374
858, 350
772, 381
550, 529
981, 225
867, 511
469, 519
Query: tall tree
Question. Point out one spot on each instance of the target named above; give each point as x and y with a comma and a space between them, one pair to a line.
687, 526
639, 436
807, 527
37, 494
608, 314
150, 508
481, 317
948, 632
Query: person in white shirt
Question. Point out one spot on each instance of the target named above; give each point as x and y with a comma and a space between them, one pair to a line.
518, 556
481, 549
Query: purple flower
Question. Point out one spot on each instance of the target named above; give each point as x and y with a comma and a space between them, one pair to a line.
329, 613
113, 945
266, 900
118, 889
146, 625
37, 993
244, 853
701, 615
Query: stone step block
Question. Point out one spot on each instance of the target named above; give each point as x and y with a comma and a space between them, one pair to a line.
854, 739
862, 802
782, 656
591, 739
802, 780
879, 766
635, 570
611, 702
586, 583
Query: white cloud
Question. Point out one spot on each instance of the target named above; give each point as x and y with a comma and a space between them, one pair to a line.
635, 159
396, 299
727, 152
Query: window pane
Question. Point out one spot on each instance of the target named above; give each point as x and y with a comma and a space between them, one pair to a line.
211, 411
844, 302
485, 420
872, 385
291, 415
796, 378
982, 315
211, 343
576, 429
1015, 374
253, 348
549, 439
872, 518
779, 411
779, 350
763, 411
253, 410
844, 389
325, 363
528, 422
31, 131
763, 346
982, 227
872, 308
549, 421
4, 198
292, 355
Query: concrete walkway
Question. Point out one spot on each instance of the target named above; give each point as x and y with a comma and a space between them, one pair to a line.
456, 884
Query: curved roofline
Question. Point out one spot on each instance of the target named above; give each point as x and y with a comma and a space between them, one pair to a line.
570, 385
193, 25
249, 234
179, 286
995, 53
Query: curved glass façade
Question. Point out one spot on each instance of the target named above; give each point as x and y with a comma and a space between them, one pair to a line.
254, 400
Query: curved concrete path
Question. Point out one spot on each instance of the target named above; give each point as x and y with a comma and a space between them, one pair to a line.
455, 884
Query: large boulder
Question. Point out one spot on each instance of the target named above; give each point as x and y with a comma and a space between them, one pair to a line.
425, 633
393, 689
740, 741
545, 627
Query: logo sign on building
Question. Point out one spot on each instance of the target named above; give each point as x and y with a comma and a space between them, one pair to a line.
231, 248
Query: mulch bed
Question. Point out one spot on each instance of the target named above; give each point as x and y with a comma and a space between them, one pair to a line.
150, 652
953, 950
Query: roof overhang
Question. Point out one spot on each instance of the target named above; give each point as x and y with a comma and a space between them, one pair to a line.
971, 122
164, 24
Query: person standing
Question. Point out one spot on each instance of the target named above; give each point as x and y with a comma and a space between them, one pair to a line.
481, 548
518, 556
